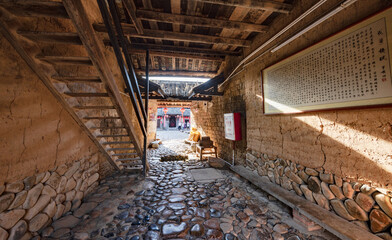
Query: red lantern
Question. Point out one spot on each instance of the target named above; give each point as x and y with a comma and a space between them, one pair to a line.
165, 110
182, 110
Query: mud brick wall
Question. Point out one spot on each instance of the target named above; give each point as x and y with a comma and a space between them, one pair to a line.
37, 134
341, 160
152, 120
207, 117
47, 164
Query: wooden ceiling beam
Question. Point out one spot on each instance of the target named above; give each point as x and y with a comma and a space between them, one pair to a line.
177, 73
36, 9
177, 36
176, 55
170, 48
131, 9
199, 21
265, 5
181, 98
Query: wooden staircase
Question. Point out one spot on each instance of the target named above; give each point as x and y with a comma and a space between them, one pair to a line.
71, 62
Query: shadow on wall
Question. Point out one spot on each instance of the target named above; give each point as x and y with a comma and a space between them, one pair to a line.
353, 144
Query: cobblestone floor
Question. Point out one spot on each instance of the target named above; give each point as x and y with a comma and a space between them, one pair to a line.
170, 204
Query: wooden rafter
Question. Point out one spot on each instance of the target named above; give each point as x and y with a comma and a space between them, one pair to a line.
266, 5
177, 36
170, 48
147, 5
199, 21
176, 55
176, 9
178, 73
209, 88
131, 9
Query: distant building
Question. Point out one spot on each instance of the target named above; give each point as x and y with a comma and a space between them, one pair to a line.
173, 118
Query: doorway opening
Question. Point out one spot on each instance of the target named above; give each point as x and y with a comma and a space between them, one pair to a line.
172, 122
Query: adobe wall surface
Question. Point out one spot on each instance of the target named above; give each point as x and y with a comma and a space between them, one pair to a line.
37, 134
350, 143
152, 120
207, 117
341, 159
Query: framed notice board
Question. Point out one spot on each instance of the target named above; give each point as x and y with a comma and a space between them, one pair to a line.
349, 69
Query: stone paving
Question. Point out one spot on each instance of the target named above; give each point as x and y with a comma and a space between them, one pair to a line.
170, 204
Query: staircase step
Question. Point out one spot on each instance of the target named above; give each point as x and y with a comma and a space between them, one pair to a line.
36, 9
94, 107
121, 142
52, 37
133, 168
92, 118
119, 149
66, 60
110, 135
85, 94
83, 79
124, 154
127, 159
107, 127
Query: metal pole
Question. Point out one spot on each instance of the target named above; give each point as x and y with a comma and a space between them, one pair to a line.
147, 93
114, 41
132, 76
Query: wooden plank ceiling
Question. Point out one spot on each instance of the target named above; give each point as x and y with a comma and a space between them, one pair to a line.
192, 37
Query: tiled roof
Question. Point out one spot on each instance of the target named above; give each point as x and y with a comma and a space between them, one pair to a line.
174, 111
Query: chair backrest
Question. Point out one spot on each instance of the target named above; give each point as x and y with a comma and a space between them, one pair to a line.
206, 142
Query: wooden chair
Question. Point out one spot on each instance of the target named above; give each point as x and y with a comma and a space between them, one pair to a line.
206, 150
206, 146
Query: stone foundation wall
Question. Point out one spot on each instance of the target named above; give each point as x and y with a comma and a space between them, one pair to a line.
359, 202
29, 206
